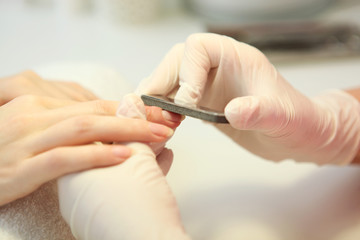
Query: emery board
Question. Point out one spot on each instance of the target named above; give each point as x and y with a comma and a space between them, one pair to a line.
168, 104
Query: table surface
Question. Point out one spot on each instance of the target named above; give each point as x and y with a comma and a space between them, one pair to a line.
223, 191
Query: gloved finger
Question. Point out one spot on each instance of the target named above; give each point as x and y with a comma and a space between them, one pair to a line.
164, 80
131, 106
209, 56
64, 160
165, 159
90, 128
258, 113
202, 53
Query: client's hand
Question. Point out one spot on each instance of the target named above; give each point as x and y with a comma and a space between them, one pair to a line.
267, 115
127, 201
29, 82
42, 138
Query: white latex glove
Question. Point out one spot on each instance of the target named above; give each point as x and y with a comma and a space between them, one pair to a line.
267, 115
127, 201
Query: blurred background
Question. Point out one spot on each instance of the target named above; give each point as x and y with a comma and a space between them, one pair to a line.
133, 35
223, 191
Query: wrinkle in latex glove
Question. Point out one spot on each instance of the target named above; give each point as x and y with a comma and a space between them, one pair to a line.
132, 107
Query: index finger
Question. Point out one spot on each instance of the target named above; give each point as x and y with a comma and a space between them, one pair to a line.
203, 53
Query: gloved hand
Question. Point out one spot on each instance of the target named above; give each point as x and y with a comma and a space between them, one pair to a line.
127, 201
267, 115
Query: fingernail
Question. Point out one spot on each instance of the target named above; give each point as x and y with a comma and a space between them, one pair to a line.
172, 117
161, 130
121, 152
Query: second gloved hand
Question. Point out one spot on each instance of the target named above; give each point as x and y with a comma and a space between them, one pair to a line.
128, 201
267, 115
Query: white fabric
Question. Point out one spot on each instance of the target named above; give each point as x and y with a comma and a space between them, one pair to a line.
35, 217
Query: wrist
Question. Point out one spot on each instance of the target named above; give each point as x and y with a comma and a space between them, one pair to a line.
340, 124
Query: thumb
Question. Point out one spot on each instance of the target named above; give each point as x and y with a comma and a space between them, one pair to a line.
256, 113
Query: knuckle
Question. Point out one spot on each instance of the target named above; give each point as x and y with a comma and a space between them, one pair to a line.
197, 38
27, 99
75, 85
82, 124
191, 40
26, 78
20, 124
179, 47
71, 84
21, 80
54, 160
29, 73
103, 107
27, 103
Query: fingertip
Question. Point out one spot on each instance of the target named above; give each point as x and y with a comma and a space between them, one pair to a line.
160, 130
121, 153
243, 113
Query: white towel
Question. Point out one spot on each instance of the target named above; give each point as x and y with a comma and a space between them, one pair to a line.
34, 217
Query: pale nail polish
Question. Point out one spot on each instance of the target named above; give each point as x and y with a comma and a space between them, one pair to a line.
160, 130
121, 152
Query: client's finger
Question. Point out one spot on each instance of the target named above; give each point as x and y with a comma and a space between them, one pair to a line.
97, 107
39, 102
75, 91
64, 160
89, 128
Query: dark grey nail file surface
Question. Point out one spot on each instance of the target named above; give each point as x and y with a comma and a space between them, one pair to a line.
169, 105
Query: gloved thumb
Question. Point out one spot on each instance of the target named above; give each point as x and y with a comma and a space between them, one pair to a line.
255, 113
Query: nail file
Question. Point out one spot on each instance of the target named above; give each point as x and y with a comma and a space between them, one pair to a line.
168, 104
